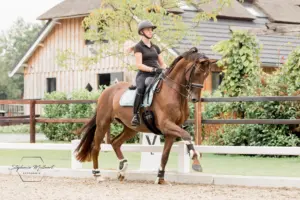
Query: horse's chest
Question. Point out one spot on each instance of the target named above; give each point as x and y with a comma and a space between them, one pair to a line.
178, 113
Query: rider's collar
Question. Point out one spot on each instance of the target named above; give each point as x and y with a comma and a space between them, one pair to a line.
142, 42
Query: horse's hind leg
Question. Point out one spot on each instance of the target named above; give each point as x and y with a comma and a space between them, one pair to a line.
116, 144
101, 130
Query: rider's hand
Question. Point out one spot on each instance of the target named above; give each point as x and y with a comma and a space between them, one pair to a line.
166, 69
157, 70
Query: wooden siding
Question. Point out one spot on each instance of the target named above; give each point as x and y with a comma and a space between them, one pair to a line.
42, 64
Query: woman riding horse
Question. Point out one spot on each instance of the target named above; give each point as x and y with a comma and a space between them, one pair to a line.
149, 61
182, 82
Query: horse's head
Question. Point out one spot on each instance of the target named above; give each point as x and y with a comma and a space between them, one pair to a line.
196, 71
196, 67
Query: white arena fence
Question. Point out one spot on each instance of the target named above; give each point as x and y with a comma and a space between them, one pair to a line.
180, 148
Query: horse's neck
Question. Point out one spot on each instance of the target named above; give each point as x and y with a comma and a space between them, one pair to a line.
176, 80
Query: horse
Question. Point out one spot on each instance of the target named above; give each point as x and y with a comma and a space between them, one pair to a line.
181, 82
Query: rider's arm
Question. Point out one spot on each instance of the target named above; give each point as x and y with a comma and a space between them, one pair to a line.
139, 64
160, 58
161, 62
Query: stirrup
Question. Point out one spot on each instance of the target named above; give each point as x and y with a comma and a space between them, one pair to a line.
135, 120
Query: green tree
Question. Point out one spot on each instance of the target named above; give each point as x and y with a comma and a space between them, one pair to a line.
13, 44
116, 21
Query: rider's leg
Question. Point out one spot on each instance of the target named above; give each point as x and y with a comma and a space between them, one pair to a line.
136, 107
140, 83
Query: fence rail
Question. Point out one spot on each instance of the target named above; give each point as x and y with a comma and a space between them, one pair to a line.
251, 99
251, 121
180, 149
12, 110
198, 121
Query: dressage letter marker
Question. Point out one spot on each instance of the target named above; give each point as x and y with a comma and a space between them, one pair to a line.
151, 143
150, 160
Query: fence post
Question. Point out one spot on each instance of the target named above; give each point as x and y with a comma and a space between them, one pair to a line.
150, 161
198, 124
183, 158
75, 164
32, 121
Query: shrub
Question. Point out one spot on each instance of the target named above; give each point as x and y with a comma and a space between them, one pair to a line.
65, 131
240, 82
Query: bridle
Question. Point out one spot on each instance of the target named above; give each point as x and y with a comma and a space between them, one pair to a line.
189, 85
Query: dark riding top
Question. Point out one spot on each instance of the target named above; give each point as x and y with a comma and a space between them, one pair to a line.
149, 58
149, 55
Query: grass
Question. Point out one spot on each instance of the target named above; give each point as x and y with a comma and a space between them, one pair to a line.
217, 164
24, 128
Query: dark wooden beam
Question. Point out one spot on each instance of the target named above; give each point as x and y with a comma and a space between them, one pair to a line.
251, 99
62, 120
251, 121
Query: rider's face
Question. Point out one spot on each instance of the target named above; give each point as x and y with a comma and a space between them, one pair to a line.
148, 32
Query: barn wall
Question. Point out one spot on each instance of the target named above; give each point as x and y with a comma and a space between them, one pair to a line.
67, 34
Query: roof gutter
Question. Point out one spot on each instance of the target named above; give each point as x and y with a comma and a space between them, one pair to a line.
33, 47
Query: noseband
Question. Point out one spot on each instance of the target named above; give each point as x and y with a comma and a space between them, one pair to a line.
190, 85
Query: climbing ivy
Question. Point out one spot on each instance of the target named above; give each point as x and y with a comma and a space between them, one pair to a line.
242, 78
240, 63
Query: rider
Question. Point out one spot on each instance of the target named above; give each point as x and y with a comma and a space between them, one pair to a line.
149, 61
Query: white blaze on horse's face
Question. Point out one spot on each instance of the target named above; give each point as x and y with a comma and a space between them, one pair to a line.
198, 76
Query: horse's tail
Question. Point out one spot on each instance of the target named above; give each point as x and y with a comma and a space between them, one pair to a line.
84, 149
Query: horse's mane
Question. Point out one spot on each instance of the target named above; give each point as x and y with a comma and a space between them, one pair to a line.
191, 55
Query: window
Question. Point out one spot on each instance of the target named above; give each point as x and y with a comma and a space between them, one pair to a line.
3, 95
109, 78
51, 85
217, 78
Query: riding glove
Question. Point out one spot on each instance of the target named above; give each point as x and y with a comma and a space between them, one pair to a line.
157, 70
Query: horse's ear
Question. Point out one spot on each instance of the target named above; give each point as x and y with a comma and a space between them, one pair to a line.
194, 50
203, 60
212, 61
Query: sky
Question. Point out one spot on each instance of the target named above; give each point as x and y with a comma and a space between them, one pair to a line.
29, 10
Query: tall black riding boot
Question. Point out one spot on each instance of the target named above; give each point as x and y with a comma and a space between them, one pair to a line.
136, 107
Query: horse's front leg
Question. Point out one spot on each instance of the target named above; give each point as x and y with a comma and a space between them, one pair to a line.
169, 140
171, 128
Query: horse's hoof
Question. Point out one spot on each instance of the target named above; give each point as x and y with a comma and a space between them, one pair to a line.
99, 179
160, 181
121, 177
197, 167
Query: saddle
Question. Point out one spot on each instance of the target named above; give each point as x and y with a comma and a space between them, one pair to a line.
127, 99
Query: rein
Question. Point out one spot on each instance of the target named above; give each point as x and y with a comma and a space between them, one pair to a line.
189, 86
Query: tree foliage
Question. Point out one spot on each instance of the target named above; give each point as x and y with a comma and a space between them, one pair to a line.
240, 61
116, 22
13, 44
284, 82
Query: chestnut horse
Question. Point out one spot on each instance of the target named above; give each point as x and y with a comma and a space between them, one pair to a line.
184, 79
